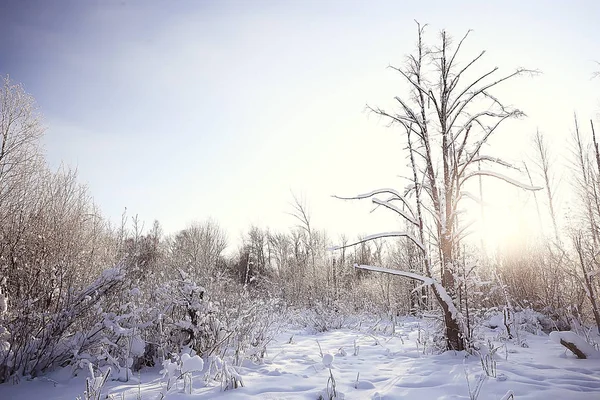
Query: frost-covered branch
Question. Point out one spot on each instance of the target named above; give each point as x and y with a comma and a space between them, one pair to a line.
495, 160
456, 106
443, 294
426, 280
403, 120
379, 236
502, 177
391, 191
392, 207
416, 85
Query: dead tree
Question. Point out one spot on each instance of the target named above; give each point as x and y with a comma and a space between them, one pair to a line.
447, 118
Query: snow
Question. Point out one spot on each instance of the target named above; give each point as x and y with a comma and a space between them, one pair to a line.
327, 360
571, 337
446, 299
169, 368
363, 385
190, 363
497, 320
386, 367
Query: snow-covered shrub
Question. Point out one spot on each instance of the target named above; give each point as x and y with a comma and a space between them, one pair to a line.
122, 344
530, 321
487, 358
94, 384
330, 392
475, 390
40, 339
223, 372
180, 368
215, 321
519, 322
187, 317
589, 333
322, 317
430, 337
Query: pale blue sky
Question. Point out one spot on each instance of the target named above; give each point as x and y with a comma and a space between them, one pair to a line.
183, 110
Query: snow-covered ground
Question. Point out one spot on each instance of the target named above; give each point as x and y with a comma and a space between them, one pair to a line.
366, 365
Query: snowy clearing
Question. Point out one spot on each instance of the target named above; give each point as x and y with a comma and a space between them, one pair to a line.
367, 364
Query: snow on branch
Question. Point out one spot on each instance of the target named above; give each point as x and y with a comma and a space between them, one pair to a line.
392, 207
492, 159
426, 280
379, 236
393, 192
502, 177
443, 295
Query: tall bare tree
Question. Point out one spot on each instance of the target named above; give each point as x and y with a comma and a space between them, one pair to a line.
448, 118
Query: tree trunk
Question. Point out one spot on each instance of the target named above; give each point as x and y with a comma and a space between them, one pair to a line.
454, 336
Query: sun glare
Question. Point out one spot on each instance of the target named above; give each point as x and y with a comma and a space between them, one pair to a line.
500, 226
506, 219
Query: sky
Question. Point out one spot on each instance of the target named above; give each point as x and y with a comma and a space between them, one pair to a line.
188, 110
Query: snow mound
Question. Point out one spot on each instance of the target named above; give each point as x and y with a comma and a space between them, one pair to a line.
191, 364
327, 360
364, 385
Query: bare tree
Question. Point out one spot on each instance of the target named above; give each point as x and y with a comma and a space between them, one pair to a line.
543, 161
448, 120
199, 247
